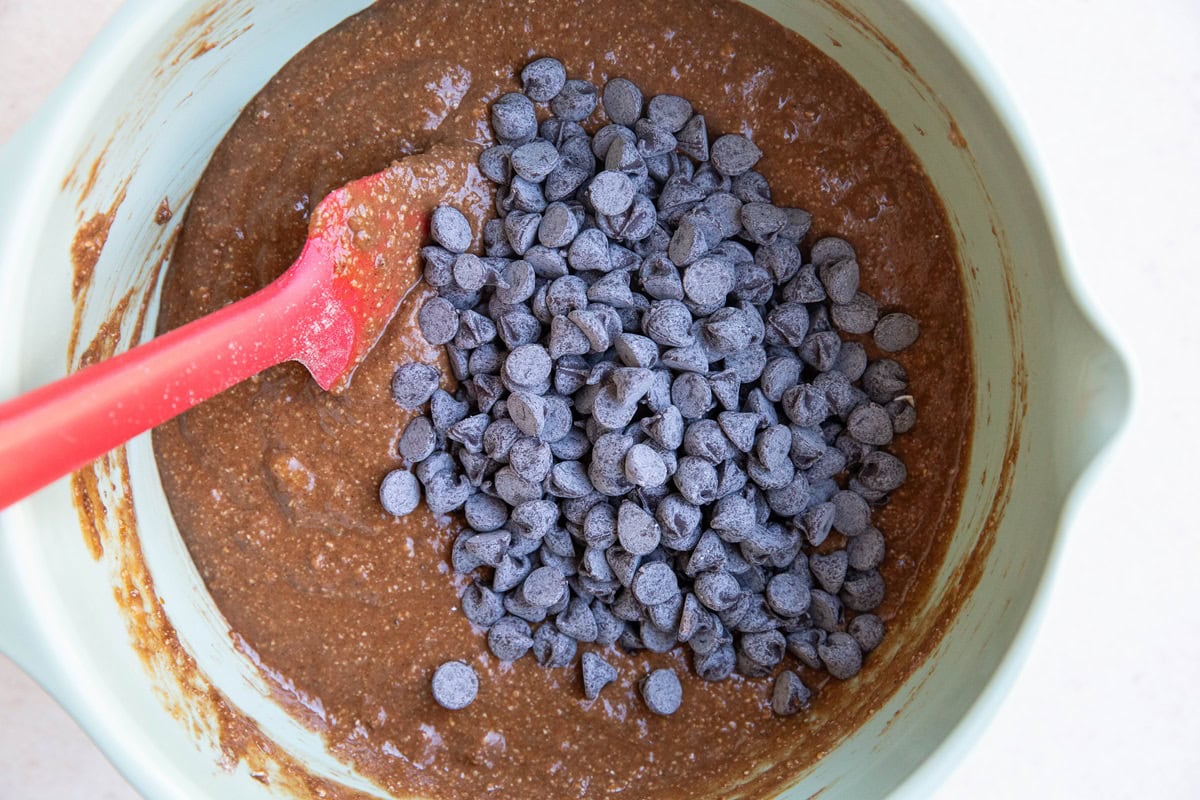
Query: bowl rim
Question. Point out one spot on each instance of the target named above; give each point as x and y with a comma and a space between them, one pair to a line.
42, 141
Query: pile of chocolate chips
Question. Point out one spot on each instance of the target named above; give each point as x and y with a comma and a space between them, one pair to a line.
662, 409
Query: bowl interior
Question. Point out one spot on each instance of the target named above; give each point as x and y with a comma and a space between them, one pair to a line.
147, 111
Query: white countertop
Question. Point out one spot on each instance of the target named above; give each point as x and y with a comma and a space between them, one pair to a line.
1108, 705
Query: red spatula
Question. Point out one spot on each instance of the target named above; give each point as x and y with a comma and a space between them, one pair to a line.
326, 311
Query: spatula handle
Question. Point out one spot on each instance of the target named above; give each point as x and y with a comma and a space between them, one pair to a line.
58, 428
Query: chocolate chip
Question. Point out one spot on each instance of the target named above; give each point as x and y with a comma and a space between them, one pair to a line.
543, 587
669, 323
787, 324
528, 366
752, 187
469, 432
829, 569
866, 551
762, 223
438, 265
521, 230
732, 517
765, 648
485, 513
513, 118
884, 379
679, 521
637, 530
535, 160
773, 446
789, 695
597, 673
868, 631
656, 639
624, 565
589, 252
445, 493
481, 605
662, 692
563, 181
820, 350
818, 522
707, 281
623, 156
571, 447
455, 685
707, 556
444, 411
692, 395
575, 101
526, 196
840, 279
622, 101
851, 515
654, 583
569, 479
718, 591
733, 154
608, 627
605, 137
418, 440
496, 163
511, 571
882, 472
489, 548
688, 243
805, 405
903, 413
863, 591
802, 644
788, 595
577, 621
669, 111
653, 140
830, 249
450, 229
693, 138
716, 664
704, 438
558, 226
552, 648
696, 480
610, 193
692, 358
516, 605
841, 656
542, 80
514, 489
856, 316
644, 466
438, 320
399, 492
895, 332
825, 610
509, 639
414, 384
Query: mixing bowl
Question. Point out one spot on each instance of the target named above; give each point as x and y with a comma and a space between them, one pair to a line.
98, 598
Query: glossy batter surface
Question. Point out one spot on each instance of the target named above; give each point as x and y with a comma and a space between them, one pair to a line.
273, 484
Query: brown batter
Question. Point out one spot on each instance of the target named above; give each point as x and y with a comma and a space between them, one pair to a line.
274, 482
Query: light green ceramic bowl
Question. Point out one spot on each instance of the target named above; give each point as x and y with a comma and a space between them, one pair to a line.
1052, 391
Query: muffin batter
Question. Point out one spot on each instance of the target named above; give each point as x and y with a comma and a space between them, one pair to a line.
273, 483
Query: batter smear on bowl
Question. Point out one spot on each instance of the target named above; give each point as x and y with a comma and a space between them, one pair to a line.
276, 485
